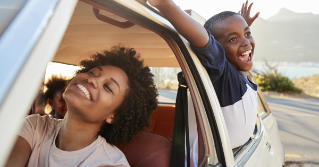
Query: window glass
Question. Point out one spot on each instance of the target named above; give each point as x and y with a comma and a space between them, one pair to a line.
165, 79
60, 69
8, 10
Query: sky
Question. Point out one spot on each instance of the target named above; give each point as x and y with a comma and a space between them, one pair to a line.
267, 8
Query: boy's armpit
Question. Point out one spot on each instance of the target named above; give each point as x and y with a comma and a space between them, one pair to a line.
212, 57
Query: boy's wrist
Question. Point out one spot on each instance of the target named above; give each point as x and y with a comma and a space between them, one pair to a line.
166, 6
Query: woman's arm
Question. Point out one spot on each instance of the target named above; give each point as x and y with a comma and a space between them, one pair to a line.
20, 153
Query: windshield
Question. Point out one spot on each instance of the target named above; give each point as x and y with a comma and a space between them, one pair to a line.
8, 10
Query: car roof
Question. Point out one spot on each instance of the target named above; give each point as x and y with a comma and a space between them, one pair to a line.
87, 35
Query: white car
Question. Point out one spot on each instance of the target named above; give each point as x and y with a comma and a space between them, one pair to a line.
36, 32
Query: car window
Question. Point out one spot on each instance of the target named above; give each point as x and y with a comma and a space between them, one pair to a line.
60, 69
165, 79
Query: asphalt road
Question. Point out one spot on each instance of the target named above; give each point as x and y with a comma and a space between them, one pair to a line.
298, 123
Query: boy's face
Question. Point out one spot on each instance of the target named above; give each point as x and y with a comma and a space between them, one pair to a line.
234, 35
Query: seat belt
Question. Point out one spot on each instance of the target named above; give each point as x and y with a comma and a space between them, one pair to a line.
181, 129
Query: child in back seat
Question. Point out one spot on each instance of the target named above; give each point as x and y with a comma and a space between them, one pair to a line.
226, 50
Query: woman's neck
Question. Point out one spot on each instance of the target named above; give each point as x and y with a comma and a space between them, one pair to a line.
75, 135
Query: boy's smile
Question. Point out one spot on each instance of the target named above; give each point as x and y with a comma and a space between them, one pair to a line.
234, 35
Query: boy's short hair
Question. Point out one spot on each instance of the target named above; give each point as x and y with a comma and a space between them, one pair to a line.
211, 23
132, 116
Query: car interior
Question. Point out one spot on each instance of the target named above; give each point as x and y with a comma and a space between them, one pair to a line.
94, 28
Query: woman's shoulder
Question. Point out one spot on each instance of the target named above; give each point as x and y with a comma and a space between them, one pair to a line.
45, 119
114, 154
42, 123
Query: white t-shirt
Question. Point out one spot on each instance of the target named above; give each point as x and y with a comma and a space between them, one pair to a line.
41, 131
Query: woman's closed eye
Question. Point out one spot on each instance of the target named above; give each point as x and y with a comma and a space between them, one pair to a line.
91, 73
107, 88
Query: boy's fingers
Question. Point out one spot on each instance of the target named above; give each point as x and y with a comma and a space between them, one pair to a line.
255, 17
242, 9
249, 8
246, 6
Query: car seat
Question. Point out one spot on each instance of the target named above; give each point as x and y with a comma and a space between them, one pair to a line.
147, 149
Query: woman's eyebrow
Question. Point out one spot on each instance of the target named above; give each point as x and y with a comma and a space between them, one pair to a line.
116, 83
99, 68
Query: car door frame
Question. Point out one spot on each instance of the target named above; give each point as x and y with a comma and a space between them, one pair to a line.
43, 25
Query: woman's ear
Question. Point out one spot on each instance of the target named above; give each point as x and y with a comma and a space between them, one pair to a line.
51, 103
109, 120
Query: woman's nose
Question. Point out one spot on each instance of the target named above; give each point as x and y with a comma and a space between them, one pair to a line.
92, 80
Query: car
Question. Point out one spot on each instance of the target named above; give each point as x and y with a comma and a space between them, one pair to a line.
38, 32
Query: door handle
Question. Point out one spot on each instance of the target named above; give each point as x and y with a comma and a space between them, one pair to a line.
268, 145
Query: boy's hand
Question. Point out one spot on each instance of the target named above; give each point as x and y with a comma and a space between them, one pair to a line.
245, 13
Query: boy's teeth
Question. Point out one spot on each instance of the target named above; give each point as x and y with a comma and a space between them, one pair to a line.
247, 52
84, 90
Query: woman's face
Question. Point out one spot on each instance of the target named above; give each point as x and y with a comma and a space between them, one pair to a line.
95, 95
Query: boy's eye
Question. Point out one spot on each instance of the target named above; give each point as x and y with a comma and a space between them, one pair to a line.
232, 39
248, 33
106, 87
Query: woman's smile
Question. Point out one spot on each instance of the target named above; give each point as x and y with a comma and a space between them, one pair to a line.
84, 91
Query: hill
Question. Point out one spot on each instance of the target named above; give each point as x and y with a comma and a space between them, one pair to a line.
309, 85
287, 36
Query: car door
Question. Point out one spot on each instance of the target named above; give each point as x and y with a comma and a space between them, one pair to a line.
267, 149
28, 41
271, 126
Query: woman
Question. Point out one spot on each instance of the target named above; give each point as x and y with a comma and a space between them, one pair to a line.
109, 100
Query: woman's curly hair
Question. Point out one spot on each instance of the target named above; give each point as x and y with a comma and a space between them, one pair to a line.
132, 116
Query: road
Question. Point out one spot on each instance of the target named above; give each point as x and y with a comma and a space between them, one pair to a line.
298, 123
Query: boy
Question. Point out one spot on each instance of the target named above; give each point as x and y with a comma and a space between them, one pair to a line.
228, 36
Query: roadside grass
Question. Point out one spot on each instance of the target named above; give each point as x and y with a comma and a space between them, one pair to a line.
301, 164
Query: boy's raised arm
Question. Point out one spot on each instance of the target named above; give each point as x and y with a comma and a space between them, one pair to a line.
190, 29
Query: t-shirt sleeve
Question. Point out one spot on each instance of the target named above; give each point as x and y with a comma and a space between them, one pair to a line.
28, 129
212, 57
